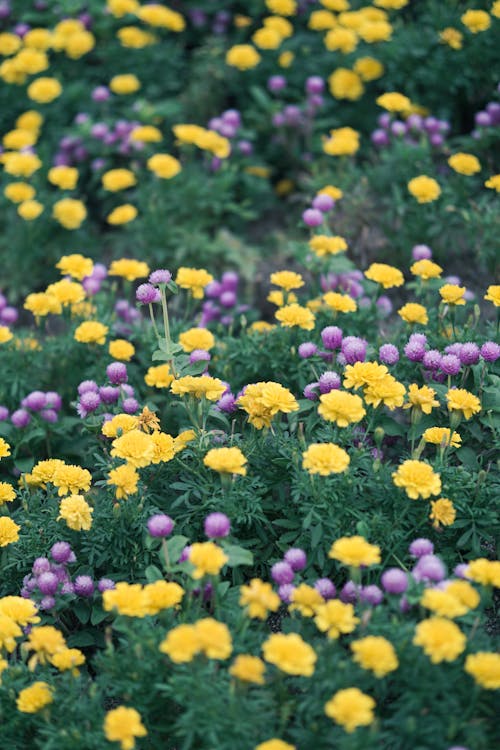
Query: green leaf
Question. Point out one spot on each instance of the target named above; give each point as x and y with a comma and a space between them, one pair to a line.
98, 615
153, 574
82, 611
237, 555
175, 545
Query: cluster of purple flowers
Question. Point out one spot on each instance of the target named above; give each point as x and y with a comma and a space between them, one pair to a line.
92, 283
8, 314
222, 303
487, 119
45, 404
293, 116
50, 578
413, 130
440, 365
283, 573
92, 397
228, 125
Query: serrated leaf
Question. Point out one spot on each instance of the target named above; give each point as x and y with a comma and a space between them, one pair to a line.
237, 555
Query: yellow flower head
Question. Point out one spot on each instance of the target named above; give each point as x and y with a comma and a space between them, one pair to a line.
122, 214
290, 654
214, 638
263, 401
243, 57
19, 192
424, 189
376, 654
418, 479
247, 668
345, 83
486, 572
91, 332
340, 302
129, 269
197, 338
35, 697
484, 667
368, 68
341, 39
325, 459
323, 245
120, 424
134, 447
125, 479
44, 90
442, 436
45, 641
121, 349
207, 558
118, 179
341, 407
442, 513
412, 312
394, 102
342, 142
493, 182
123, 725
351, 709
22, 611
7, 493
306, 599
164, 166
162, 595
126, 83
387, 276
274, 744
287, 280
452, 294
64, 178
75, 265
426, 269
423, 398
476, 20
462, 401
440, 639
259, 598
493, 294
466, 164
194, 280
76, 512
181, 644
202, 386
452, 37
355, 551
226, 461
335, 618
295, 316
127, 599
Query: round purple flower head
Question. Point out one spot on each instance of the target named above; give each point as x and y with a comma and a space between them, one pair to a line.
47, 602
329, 381
384, 304
450, 364
146, 294
421, 252
276, 84
47, 583
323, 202
160, 276
106, 584
469, 354
312, 217
331, 336
414, 351
185, 554
310, 391
89, 402
40, 565
394, 581
420, 547
429, 568
53, 400
117, 373
227, 403
371, 595
61, 552
109, 394
325, 587
282, 572
199, 355
490, 351
388, 354
20, 418
83, 586
4, 413
217, 525
36, 400
354, 349
307, 349
315, 85
87, 386
130, 405
296, 558
160, 525
349, 593
285, 592
432, 359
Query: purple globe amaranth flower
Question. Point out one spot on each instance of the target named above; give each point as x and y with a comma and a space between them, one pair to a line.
384, 304
90, 401
460, 570
49, 415
282, 572
429, 568
420, 547
61, 552
296, 558
227, 403
323, 202
421, 252
47, 583
469, 353
394, 581
53, 400
414, 351
213, 289
106, 584
230, 281
314, 85
146, 294
228, 299
276, 84
232, 116
130, 405
36, 400
380, 137
329, 381
285, 592
436, 140
20, 418
349, 593
326, 588
371, 595
310, 391
331, 336
307, 349
245, 147
354, 349
4, 413
160, 525
418, 338
199, 355
490, 351
388, 354
185, 554
384, 120
450, 364
109, 394
40, 565
86, 386
83, 586
101, 94
312, 217
398, 128
217, 525
432, 359
160, 276
117, 373
47, 602
127, 390
415, 122
9, 315
455, 349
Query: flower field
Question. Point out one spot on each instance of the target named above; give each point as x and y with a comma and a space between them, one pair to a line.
250, 403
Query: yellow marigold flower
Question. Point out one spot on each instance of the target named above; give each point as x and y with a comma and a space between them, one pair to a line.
70, 213
495, 11
193, 279
484, 667
118, 179
443, 603
202, 386
335, 193
452, 37
44, 471
181, 644
164, 166
34, 698
22, 611
394, 102
30, 210
461, 400
290, 654
452, 294
321, 20
7, 493
391, 4
135, 38
277, 297
127, 599
440, 639
376, 31
242, 56
4, 448
466, 164
9, 531
9, 631
20, 164
342, 39
121, 349
135, 447
443, 512
345, 84
279, 24
426, 269
342, 142
159, 376
368, 68
9, 43
376, 654
125, 479
387, 391
351, 709
267, 38
335, 618
129, 269
214, 638
91, 332
247, 668
68, 658
493, 294
323, 245
17, 139
67, 292
226, 461
120, 424
261, 326
493, 182
6, 335
262, 401
19, 192
75, 265
355, 551
123, 214
306, 599
120, 8
485, 571
340, 302
341, 407
362, 374
412, 312
45, 641
31, 119
162, 595
476, 20
197, 338
325, 459
294, 315
123, 725
282, 7
418, 479
157, 15
66, 179
44, 90
287, 280
387, 276
441, 436
76, 512
125, 84
207, 558
424, 189
146, 134
274, 744
423, 398
464, 592
164, 447
259, 598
